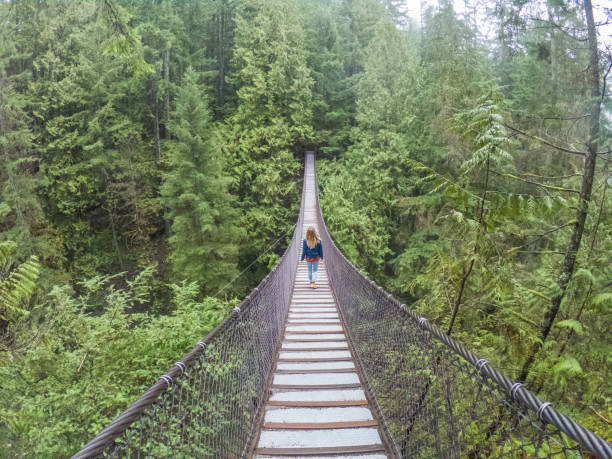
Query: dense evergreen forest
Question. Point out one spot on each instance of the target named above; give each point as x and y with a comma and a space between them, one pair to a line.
151, 151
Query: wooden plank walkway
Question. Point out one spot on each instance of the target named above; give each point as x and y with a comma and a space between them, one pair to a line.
316, 404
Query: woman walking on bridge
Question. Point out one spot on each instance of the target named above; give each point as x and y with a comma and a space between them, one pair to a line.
312, 250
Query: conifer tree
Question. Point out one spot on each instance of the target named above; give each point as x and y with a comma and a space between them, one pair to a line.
21, 215
337, 35
205, 234
273, 116
383, 139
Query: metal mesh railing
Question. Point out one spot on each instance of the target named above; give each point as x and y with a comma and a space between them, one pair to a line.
436, 398
208, 403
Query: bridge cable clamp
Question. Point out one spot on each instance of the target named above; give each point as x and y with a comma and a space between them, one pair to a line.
236, 309
181, 366
202, 345
515, 387
542, 408
422, 321
480, 364
167, 379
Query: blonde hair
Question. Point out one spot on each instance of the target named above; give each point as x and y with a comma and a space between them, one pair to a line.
312, 237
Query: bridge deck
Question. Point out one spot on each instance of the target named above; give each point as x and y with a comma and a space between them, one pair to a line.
316, 404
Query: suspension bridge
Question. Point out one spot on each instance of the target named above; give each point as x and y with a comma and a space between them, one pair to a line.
345, 370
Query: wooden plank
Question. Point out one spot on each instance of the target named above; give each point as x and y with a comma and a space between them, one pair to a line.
320, 332
291, 349
318, 404
319, 425
328, 359
293, 340
331, 370
298, 322
313, 312
320, 386
310, 298
320, 451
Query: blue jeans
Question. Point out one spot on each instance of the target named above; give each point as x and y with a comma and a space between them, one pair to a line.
313, 267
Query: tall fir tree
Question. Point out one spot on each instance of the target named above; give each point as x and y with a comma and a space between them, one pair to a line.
273, 117
22, 218
205, 232
377, 163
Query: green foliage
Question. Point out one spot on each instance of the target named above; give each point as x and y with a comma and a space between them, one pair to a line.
122, 40
205, 233
17, 282
70, 375
126, 201
22, 218
336, 35
571, 324
272, 120
566, 368
484, 124
367, 186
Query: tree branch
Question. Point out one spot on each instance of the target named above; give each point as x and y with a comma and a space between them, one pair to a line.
547, 187
601, 416
545, 177
561, 28
605, 79
555, 252
559, 118
555, 229
539, 139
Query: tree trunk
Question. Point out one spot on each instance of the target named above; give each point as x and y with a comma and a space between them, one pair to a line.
569, 260
221, 57
554, 80
111, 219
553, 56
115, 238
167, 226
166, 89
7, 159
471, 266
156, 127
586, 298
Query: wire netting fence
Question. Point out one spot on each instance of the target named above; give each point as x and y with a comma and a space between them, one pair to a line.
208, 403
437, 398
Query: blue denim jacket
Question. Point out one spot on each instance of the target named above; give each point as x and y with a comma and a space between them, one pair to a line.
312, 253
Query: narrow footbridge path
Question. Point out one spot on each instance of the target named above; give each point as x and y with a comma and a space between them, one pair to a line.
317, 404
342, 371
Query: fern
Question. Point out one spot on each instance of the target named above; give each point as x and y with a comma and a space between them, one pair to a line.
604, 298
484, 124
6, 252
571, 324
16, 284
567, 366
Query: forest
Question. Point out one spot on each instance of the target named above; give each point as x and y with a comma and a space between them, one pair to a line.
151, 154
